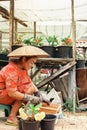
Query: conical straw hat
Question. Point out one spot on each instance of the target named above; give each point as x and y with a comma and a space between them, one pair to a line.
28, 51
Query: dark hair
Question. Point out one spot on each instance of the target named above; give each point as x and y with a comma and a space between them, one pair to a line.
20, 58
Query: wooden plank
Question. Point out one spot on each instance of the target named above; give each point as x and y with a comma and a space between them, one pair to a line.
54, 60
4, 0
56, 74
5, 14
65, 84
59, 86
82, 100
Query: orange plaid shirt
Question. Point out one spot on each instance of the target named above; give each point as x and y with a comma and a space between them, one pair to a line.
13, 79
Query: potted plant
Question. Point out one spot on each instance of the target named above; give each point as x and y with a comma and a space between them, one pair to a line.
19, 41
37, 41
52, 43
52, 40
30, 116
64, 50
28, 41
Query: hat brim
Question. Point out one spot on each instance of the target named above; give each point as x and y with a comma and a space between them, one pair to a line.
28, 51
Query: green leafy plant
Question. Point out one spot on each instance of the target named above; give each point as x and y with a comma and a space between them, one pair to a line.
31, 112
67, 41
28, 41
4, 51
68, 105
52, 40
19, 38
38, 41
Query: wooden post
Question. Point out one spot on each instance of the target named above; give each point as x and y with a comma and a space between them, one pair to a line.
73, 29
74, 54
11, 24
15, 32
0, 39
34, 29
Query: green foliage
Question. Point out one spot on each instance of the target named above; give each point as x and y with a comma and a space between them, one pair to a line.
66, 41
68, 105
4, 51
33, 108
38, 41
19, 38
28, 41
30, 110
52, 40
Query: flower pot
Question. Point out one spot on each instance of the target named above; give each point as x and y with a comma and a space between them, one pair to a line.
3, 57
48, 122
63, 52
19, 123
49, 49
30, 125
16, 46
80, 64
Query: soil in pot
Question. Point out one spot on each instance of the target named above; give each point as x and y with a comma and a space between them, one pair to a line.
48, 122
30, 125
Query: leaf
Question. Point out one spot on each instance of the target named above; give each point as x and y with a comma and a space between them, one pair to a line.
32, 106
38, 105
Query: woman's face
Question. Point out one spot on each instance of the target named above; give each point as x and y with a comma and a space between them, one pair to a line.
28, 64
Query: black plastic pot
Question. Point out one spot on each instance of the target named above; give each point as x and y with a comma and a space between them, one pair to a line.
63, 52
49, 49
80, 64
3, 57
16, 46
48, 122
30, 125
19, 123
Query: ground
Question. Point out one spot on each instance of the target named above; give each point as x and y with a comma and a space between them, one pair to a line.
77, 121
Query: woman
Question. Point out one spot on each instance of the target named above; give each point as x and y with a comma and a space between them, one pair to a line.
16, 85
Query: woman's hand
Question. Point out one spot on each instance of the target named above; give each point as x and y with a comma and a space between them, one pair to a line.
43, 99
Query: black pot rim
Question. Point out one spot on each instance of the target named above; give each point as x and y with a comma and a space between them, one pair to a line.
50, 115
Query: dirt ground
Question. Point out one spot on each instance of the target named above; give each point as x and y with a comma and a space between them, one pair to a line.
77, 121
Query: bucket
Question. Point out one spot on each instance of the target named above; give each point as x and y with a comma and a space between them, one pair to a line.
48, 122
